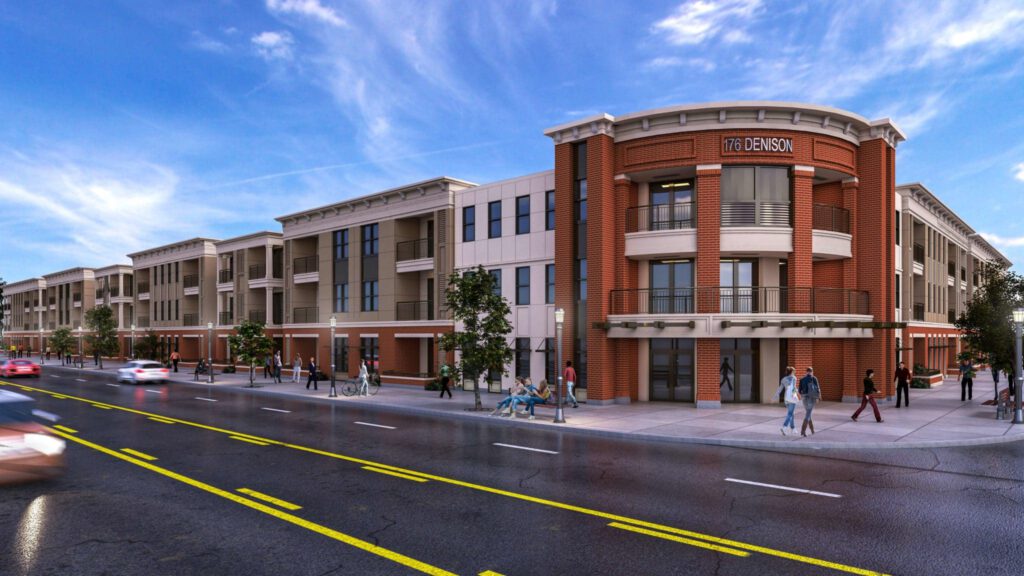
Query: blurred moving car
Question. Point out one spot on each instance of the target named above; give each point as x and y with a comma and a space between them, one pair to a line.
19, 367
142, 371
27, 449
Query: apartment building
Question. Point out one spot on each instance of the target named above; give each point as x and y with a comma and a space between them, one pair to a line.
25, 307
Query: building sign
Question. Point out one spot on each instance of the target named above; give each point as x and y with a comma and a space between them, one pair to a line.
758, 144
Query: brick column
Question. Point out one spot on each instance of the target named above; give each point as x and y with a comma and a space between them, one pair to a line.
851, 386
709, 240
709, 352
602, 206
565, 249
801, 270
626, 277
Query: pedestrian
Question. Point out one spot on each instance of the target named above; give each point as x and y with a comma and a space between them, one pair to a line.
966, 380
902, 379
445, 378
364, 379
297, 368
278, 365
200, 368
810, 393
792, 396
47, 353
312, 373
175, 358
95, 357
867, 398
268, 366
995, 381
570, 381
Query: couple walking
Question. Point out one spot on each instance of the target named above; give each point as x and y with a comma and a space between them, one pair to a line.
808, 391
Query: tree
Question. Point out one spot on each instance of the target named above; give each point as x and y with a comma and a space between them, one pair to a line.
482, 326
250, 344
987, 322
147, 345
62, 341
103, 326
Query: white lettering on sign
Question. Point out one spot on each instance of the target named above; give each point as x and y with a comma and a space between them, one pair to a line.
758, 144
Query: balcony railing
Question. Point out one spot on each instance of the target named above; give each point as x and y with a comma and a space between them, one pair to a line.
305, 264
755, 214
114, 292
919, 312
143, 287
258, 316
740, 300
142, 322
831, 218
225, 319
305, 315
225, 276
918, 253
951, 316
52, 300
660, 217
190, 281
257, 271
191, 319
99, 294
414, 249
416, 310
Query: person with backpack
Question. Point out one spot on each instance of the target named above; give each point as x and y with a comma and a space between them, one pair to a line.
788, 386
810, 393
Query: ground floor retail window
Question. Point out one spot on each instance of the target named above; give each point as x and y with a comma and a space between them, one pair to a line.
522, 357
672, 369
341, 354
369, 350
738, 370
581, 363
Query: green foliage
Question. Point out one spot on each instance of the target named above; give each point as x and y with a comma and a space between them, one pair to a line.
482, 326
103, 331
61, 341
250, 344
147, 345
987, 322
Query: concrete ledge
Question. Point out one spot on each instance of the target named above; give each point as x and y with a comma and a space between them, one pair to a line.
624, 400
709, 403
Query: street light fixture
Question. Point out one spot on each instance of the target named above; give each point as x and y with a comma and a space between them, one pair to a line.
334, 391
42, 349
559, 409
209, 352
81, 362
1018, 323
131, 350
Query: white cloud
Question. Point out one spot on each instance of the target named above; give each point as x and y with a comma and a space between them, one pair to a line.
274, 45
1004, 242
662, 62
1018, 171
914, 115
203, 42
698, 21
309, 8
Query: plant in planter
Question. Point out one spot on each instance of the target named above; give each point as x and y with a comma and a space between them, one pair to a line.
432, 386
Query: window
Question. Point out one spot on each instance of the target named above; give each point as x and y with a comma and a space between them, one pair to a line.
341, 297
371, 239
523, 215
341, 354
468, 223
341, 244
671, 205
522, 357
897, 290
549, 210
176, 310
549, 284
370, 295
583, 279
369, 350
755, 196
494, 219
899, 226
523, 286
177, 275
671, 289
550, 357
496, 274
341, 252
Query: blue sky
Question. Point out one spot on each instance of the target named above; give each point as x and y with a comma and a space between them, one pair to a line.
130, 124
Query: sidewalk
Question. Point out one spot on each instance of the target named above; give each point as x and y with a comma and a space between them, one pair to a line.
937, 418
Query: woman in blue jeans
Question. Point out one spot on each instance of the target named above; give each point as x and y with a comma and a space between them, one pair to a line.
788, 384
810, 392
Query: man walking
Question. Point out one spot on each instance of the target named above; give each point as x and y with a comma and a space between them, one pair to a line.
867, 398
445, 378
570, 382
175, 358
312, 373
902, 379
995, 381
278, 365
966, 380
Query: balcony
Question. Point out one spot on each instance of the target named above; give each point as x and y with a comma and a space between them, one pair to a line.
309, 315
740, 300
114, 292
414, 249
142, 322
258, 316
416, 310
225, 276
257, 271
919, 312
190, 319
918, 253
951, 269
951, 316
660, 217
143, 288
831, 218
306, 269
225, 318
755, 214
191, 284
52, 300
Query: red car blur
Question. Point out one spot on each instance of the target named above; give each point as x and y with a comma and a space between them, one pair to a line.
28, 451
11, 368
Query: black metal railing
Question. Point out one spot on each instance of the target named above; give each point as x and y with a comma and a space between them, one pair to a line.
257, 271
258, 316
99, 294
740, 300
306, 315
918, 253
143, 287
951, 316
114, 292
416, 310
225, 276
52, 300
190, 281
191, 319
755, 214
305, 264
225, 318
919, 312
142, 322
831, 218
414, 249
660, 217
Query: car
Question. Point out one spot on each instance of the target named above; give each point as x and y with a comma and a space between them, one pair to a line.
143, 371
28, 450
20, 367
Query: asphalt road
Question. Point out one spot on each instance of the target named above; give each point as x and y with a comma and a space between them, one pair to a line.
251, 484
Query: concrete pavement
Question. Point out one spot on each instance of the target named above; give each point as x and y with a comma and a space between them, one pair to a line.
936, 417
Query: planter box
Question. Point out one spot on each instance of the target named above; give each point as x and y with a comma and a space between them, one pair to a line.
926, 381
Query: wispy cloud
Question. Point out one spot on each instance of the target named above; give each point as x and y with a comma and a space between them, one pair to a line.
662, 62
1018, 171
1003, 241
203, 42
308, 8
274, 45
914, 115
697, 21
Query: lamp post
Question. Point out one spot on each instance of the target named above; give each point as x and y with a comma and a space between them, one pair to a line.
42, 349
209, 352
1018, 323
559, 412
131, 350
334, 391
81, 362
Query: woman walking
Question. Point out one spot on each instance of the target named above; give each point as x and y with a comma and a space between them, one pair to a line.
810, 393
867, 398
788, 384
364, 379
297, 368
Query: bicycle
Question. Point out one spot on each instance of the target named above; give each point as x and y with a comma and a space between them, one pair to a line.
353, 387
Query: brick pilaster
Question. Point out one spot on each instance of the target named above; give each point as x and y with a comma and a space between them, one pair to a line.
851, 370
602, 206
709, 352
565, 248
801, 271
709, 239
625, 277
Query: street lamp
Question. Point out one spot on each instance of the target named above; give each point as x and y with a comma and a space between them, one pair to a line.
81, 363
131, 351
42, 349
559, 412
209, 352
1018, 322
334, 391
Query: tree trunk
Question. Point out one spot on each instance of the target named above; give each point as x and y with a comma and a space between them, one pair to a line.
476, 396
252, 374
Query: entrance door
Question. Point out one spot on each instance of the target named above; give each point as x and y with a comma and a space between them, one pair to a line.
738, 370
671, 287
671, 205
672, 369
736, 278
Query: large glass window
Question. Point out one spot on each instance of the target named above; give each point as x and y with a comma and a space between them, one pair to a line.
755, 196
549, 210
371, 240
523, 215
370, 295
550, 358
341, 297
549, 284
494, 219
369, 350
736, 281
468, 223
341, 354
672, 369
523, 357
340, 244
341, 253
671, 205
496, 274
671, 287
523, 286
583, 279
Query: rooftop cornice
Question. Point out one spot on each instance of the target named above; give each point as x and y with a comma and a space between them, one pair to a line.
113, 269
176, 246
25, 285
265, 234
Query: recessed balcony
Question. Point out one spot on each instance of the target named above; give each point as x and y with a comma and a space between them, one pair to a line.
414, 255
306, 269
190, 282
660, 230
415, 310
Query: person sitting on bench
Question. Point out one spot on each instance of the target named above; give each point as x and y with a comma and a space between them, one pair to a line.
516, 391
538, 395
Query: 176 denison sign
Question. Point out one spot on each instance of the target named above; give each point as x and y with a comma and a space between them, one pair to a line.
758, 144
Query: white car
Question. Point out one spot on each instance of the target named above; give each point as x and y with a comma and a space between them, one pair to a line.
142, 371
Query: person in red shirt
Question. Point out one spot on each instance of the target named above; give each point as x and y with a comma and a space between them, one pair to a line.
570, 380
902, 379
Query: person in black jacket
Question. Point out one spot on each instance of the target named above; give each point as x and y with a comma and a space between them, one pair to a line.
869, 389
312, 373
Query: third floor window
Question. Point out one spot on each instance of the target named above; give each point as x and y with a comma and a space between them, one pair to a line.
494, 219
371, 239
